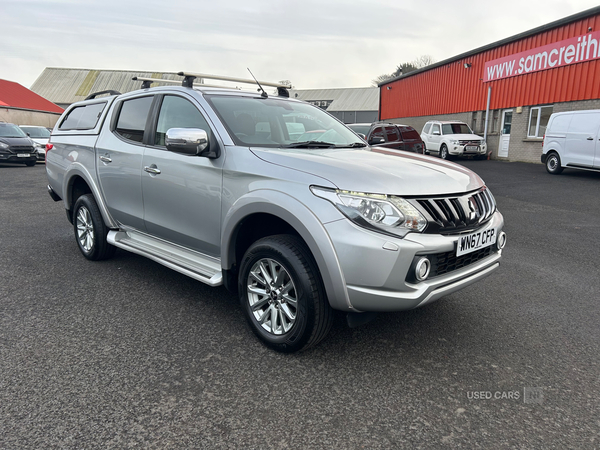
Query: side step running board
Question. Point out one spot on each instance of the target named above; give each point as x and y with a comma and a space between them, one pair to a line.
193, 264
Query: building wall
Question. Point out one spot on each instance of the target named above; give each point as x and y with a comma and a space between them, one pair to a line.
520, 148
356, 116
458, 86
26, 117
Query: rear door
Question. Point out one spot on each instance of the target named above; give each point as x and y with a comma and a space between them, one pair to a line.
412, 140
581, 139
119, 153
182, 202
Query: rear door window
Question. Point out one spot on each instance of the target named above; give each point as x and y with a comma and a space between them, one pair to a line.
83, 117
133, 115
409, 134
391, 134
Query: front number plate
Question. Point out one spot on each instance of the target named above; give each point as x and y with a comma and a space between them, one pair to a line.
476, 241
472, 148
22, 155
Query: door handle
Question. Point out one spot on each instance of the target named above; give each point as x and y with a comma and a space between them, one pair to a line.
105, 159
590, 138
152, 169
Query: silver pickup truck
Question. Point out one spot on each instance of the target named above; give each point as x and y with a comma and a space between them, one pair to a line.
273, 198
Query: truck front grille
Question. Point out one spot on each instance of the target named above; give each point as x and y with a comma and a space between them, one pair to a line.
455, 214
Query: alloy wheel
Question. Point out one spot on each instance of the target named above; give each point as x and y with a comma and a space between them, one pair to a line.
272, 296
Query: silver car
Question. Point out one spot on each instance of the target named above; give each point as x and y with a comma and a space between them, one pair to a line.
275, 199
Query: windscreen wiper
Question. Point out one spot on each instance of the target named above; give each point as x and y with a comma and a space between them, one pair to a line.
310, 144
353, 145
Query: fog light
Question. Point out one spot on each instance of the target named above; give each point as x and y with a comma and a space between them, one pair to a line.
501, 241
422, 269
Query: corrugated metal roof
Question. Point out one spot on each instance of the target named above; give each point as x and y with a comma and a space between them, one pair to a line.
66, 86
16, 96
344, 99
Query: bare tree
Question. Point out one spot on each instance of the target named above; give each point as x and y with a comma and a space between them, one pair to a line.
403, 69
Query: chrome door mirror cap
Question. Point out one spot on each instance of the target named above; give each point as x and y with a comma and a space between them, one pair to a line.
191, 141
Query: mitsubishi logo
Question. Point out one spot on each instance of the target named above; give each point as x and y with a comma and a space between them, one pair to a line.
474, 211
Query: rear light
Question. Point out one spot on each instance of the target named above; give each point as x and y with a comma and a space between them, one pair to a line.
543, 139
49, 146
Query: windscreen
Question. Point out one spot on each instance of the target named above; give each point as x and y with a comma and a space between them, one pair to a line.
275, 122
456, 128
8, 130
36, 132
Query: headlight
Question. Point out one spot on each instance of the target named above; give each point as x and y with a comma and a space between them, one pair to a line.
37, 145
3, 145
383, 213
454, 141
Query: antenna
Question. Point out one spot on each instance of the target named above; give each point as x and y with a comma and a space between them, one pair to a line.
260, 88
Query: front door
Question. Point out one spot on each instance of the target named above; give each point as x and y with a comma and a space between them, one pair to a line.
505, 133
182, 195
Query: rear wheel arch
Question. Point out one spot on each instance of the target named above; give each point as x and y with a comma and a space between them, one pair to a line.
76, 187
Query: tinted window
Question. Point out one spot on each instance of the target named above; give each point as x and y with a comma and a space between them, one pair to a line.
409, 133
83, 117
436, 129
391, 134
177, 112
456, 128
132, 118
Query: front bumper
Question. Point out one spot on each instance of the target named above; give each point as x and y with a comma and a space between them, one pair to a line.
376, 267
13, 158
460, 150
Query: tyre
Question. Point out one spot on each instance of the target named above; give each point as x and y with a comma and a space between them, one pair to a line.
30, 163
444, 152
553, 163
90, 230
282, 294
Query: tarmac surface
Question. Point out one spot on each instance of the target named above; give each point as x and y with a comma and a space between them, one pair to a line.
126, 353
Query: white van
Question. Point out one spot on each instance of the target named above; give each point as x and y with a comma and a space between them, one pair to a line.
572, 140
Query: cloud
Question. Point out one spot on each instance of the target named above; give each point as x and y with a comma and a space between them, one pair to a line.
313, 43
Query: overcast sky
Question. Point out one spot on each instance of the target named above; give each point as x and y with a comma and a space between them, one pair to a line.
313, 43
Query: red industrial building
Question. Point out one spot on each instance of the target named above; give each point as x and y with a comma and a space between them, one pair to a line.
512, 86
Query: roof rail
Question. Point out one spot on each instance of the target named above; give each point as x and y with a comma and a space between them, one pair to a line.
189, 77
96, 94
146, 82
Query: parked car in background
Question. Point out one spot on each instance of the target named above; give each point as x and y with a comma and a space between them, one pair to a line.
390, 135
571, 140
15, 146
40, 136
452, 138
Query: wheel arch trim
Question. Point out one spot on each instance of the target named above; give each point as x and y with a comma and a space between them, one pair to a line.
304, 222
75, 170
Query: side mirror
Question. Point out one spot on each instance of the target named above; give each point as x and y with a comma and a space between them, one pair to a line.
436, 133
377, 140
364, 137
190, 141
